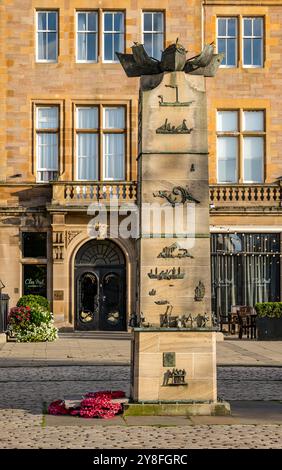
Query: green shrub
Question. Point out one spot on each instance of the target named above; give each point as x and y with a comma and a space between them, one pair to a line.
269, 309
35, 333
29, 300
39, 315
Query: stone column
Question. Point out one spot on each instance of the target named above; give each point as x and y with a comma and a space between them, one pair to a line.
174, 345
59, 269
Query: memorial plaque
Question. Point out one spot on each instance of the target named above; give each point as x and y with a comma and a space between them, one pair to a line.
58, 295
169, 359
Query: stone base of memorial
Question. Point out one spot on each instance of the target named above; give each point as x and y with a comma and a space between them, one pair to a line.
174, 373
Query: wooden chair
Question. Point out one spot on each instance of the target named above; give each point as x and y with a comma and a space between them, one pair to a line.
247, 322
233, 319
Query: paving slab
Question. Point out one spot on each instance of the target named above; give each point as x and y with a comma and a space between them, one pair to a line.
165, 421
246, 413
110, 348
244, 352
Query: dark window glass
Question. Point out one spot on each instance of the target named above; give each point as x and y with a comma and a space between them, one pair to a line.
245, 270
35, 279
34, 245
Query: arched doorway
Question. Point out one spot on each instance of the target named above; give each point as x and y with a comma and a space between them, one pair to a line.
100, 287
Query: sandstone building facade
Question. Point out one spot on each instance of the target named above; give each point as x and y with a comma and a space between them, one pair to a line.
69, 137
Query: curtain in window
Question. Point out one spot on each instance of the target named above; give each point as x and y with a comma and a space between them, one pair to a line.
87, 36
114, 118
114, 156
245, 270
153, 33
227, 149
47, 154
87, 151
253, 159
87, 118
47, 118
257, 284
226, 274
42, 49
253, 120
47, 35
227, 121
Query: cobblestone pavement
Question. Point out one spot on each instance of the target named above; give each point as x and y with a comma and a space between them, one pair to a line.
25, 391
250, 383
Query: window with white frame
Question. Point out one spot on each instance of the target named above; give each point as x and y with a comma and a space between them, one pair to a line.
87, 143
227, 146
87, 36
153, 33
253, 146
240, 146
47, 36
113, 35
227, 40
253, 42
100, 143
113, 143
47, 143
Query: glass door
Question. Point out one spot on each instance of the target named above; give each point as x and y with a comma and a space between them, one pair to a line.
87, 301
112, 305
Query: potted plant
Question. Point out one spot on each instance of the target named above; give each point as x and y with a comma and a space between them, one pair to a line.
269, 320
31, 320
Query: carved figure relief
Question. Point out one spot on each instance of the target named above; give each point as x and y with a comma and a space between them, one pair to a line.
178, 195
200, 292
201, 320
174, 251
174, 377
182, 321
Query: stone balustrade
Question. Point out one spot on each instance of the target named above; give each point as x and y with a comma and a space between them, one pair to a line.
245, 195
80, 193
234, 196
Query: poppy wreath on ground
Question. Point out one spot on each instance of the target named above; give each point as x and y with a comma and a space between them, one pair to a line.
105, 393
57, 408
94, 405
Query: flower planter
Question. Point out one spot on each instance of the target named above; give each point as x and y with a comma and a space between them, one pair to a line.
269, 328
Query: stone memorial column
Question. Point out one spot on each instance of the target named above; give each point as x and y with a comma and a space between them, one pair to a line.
174, 350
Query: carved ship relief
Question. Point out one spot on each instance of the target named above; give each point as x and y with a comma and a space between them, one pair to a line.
176, 102
167, 128
167, 274
139, 63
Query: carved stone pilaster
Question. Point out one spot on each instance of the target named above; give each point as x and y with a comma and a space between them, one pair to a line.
58, 247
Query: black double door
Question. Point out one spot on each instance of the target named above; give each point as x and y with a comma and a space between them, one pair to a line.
100, 298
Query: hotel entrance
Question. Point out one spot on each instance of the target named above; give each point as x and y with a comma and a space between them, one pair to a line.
100, 287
